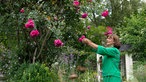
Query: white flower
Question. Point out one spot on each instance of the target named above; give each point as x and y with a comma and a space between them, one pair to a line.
56, 63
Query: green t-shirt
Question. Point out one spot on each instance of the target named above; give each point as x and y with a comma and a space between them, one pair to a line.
110, 61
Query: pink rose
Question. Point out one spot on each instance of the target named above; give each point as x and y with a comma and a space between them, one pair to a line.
29, 24
58, 43
34, 33
88, 27
22, 10
109, 31
81, 38
84, 15
76, 3
105, 13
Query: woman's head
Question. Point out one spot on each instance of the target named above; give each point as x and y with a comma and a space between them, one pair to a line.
113, 40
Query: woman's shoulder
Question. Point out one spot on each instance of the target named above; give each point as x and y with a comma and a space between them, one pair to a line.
114, 49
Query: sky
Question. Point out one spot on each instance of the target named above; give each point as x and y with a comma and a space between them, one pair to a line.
143, 0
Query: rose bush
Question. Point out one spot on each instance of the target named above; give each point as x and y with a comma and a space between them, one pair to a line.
44, 33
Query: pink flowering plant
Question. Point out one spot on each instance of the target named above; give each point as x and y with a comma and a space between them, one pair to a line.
49, 29
67, 26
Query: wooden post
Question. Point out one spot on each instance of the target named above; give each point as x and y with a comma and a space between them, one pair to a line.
129, 67
98, 67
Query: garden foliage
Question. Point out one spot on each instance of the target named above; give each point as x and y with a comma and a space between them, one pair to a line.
45, 31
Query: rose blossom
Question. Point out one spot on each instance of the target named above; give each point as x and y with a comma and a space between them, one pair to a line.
88, 27
58, 43
29, 24
76, 3
22, 10
84, 15
81, 38
105, 13
109, 30
34, 33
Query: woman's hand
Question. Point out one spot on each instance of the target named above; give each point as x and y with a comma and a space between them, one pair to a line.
85, 41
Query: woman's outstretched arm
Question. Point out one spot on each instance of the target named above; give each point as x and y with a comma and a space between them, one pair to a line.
90, 43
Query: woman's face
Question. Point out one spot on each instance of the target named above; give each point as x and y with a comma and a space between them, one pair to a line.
109, 40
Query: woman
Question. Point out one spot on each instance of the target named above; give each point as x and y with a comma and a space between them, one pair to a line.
111, 57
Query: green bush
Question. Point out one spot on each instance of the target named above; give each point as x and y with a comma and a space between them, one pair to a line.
34, 73
140, 71
88, 76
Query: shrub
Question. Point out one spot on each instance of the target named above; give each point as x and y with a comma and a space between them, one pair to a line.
34, 73
140, 72
88, 76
